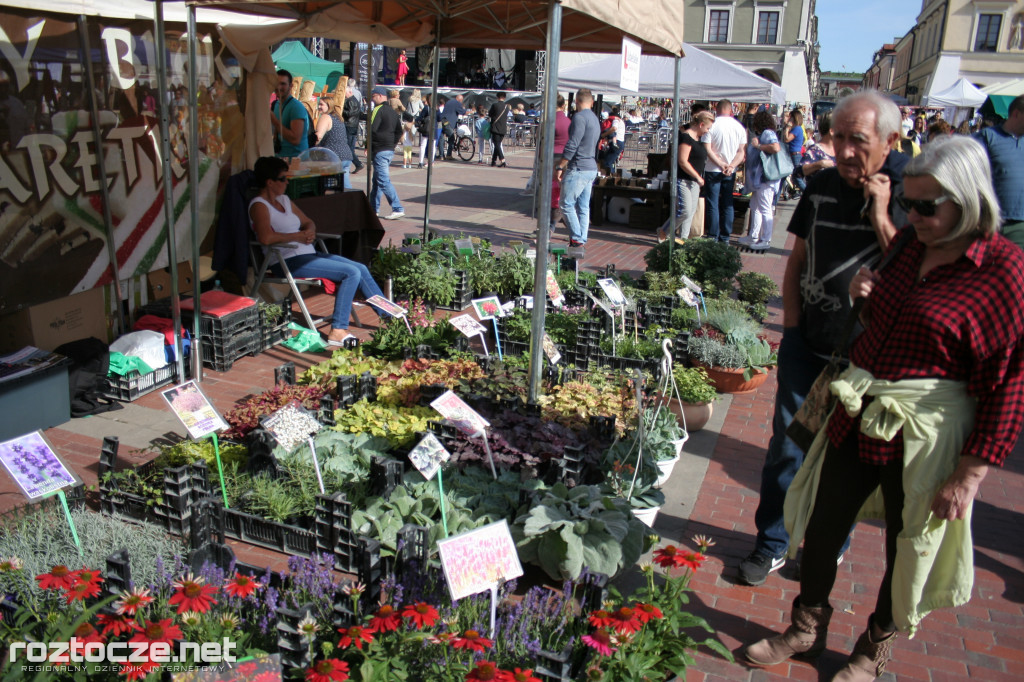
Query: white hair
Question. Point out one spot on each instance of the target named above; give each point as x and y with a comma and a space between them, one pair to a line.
888, 119
961, 167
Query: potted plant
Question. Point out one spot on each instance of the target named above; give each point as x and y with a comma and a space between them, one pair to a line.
639, 488
733, 368
663, 440
696, 396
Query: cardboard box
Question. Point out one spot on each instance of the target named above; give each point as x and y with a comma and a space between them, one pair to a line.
160, 281
51, 324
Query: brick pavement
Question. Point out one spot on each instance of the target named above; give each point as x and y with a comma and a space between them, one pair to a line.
981, 640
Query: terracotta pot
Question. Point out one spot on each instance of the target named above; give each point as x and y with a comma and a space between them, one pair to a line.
726, 380
697, 414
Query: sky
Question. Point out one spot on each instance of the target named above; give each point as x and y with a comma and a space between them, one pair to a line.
851, 32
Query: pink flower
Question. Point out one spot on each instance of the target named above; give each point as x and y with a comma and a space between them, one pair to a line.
600, 641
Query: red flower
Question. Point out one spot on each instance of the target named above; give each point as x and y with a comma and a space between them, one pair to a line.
385, 620
158, 631
138, 671
600, 618
672, 557
692, 560
59, 578
88, 575
241, 586
355, 634
192, 595
625, 620
421, 613
116, 625
647, 612
248, 668
519, 675
86, 633
130, 602
328, 670
485, 670
472, 640
80, 591
600, 641
268, 676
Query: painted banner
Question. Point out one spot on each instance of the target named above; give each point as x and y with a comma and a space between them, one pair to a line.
52, 230
477, 559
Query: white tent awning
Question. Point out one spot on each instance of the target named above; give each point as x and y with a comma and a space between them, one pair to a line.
794, 78
960, 94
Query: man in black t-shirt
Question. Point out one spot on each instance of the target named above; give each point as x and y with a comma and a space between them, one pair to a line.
845, 219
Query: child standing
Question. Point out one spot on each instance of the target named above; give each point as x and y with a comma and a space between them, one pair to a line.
407, 143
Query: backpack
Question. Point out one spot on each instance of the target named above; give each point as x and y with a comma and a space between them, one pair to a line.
87, 376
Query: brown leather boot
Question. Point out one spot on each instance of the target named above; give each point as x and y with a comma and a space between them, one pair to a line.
805, 637
868, 658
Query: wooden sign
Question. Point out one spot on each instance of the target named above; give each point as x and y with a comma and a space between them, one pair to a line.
476, 560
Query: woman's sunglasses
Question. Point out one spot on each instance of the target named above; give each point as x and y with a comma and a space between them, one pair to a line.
925, 207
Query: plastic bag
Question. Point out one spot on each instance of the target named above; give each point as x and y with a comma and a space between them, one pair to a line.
306, 341
148, 345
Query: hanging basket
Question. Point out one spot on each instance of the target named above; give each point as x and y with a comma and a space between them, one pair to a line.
727, 380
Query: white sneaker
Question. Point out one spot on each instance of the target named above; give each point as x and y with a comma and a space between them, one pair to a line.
395, 216
333, 342
746, 241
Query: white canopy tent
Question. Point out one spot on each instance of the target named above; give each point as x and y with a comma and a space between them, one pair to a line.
960, 94
702, 76
794, 77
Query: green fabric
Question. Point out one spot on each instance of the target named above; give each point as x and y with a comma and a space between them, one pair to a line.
306, 341
1014, 231
293, 56
934, 559
121, 364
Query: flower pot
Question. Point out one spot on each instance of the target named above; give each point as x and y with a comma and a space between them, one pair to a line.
647, 515
727, 380
665, 468
696, 415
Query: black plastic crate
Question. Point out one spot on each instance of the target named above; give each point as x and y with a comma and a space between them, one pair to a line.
219, 328
134, 385
221, 354
463, 294
273, 330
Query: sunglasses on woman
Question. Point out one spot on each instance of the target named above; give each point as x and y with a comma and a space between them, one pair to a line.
925, 207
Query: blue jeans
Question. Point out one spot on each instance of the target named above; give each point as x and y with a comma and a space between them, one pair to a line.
611, 157
346, 180
347, 274
575, 202
798, 368
719, 214
382, 182
351, 134
798, 178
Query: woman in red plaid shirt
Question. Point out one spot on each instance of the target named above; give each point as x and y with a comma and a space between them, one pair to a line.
932, 399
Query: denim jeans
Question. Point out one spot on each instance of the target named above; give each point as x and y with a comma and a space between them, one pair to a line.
798, 178
719, 213
351, 133
611, 157
382, 182
575, 202
346, 180
798, 368
347, 274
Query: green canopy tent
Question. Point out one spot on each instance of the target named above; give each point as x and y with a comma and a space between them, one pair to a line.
293, 56
999, 97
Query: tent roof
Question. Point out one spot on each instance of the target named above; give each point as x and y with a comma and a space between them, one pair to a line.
1011, 88
590, 25
959, 94
294, 56
702, 76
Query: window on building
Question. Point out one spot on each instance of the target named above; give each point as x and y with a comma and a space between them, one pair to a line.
718, 26
988, 32
767, 28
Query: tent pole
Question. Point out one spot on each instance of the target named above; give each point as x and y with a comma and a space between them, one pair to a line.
193, 182
673, 158
165, 159
435, 74
108, 223
371, 76
544, 210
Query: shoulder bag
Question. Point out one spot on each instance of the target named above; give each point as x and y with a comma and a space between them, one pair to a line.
776, 166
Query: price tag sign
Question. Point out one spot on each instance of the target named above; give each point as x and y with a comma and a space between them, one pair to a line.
191, 406
612, 291
554, 291
487, 308
387, 306
690, 284
291, 425
467, 325
428, 456
687, 297
34, 466
462, 416
549, 349
475, 560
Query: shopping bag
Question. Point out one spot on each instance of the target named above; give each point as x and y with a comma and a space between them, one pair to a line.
776, 166
306, 341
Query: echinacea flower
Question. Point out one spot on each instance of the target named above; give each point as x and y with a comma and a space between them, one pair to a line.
59, 578
472, 640
600, 641
703, 542
86, 633
600, 618
138, 671
158, 631
519, 675
192, 595
385, 620
115, 626
246, 669
11, 564
354, 589
328, 670
88, 575
624, 619
647, 612
80, 591
229, 621
131, 601
691, 560
191, 618
673, 557
355, 634
241, 586
308, 627
421, 613
487, 671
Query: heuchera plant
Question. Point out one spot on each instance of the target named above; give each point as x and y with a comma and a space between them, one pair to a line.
246, 415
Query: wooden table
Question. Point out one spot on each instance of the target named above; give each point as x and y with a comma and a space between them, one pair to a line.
348, 215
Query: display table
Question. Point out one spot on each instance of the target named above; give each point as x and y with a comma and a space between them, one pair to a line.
601, 194
348, 215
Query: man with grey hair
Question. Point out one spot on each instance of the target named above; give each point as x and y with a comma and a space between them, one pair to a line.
352, 112
845, 219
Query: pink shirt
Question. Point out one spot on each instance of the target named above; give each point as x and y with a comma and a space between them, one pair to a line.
562, 123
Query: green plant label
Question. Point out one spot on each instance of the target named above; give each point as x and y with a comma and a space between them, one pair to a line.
193, 408
478, 559
464, 247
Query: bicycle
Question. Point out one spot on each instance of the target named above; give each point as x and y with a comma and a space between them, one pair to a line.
465, 146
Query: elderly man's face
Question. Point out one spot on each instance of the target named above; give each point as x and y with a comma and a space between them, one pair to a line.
860, 151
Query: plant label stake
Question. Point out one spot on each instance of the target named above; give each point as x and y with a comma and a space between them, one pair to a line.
440, 492
291, 425
497, 339
490, 457
494, 605
391, 308
191, 406
689, 299
428, 456
71, 522
479, 560
316, 465
220, 468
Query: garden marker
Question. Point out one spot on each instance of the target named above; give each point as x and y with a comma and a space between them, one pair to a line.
220, 468
497, 339
444, 514
494, 606
316, 465
71, 522
490, 457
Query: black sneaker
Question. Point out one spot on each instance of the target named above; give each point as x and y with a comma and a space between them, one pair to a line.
755, 568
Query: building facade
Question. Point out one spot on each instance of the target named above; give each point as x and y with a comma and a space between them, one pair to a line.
883, 69
776, 39
834, 84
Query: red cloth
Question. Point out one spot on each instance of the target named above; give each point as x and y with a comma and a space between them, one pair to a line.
156, 324
219, 303
963, 322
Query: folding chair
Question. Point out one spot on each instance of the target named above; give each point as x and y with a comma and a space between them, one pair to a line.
262, 266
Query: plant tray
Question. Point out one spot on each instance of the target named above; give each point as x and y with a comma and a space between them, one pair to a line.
134, 385
220, 328
463, 294
273, 330
270, 534
221, 355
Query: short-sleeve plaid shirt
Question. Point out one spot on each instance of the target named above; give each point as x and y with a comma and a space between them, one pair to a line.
963, 321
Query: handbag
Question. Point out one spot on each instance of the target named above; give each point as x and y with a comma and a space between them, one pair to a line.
776, 166
813, 414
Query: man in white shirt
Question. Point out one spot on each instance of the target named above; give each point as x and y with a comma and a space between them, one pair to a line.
726, 146
908, 120
634, 117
